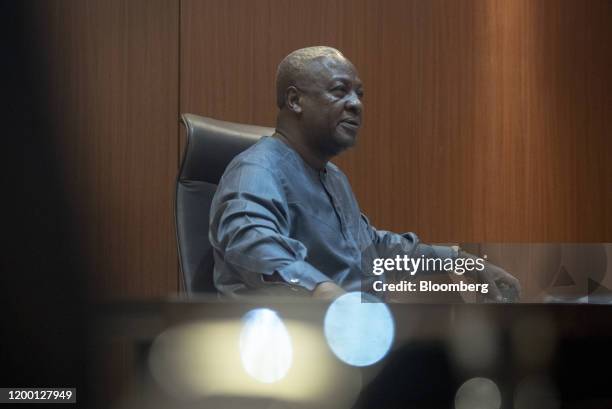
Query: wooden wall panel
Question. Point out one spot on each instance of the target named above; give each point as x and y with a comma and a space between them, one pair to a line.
484, 120
111, 68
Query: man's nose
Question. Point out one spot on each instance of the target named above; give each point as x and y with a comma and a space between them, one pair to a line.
354, 104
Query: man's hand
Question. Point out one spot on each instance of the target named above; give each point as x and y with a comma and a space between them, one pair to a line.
327, 290
497, 278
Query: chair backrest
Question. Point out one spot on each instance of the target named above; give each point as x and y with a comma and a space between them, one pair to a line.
211, 145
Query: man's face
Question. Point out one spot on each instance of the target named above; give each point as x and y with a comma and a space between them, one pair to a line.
331, 105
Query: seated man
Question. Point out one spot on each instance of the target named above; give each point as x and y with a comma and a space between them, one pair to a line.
284, 217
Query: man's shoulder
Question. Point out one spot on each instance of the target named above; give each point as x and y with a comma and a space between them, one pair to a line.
265, 154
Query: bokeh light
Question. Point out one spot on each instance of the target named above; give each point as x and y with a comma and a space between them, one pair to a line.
265, 346
478, 393
359, 329
203, 360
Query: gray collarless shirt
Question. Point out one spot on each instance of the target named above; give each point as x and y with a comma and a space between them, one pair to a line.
276, 224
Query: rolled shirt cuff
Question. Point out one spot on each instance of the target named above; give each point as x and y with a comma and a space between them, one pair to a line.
302, 274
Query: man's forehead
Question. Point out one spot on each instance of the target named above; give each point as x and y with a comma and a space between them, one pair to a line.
329, 68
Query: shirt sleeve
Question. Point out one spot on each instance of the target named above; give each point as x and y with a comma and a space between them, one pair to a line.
389, 244
250, 228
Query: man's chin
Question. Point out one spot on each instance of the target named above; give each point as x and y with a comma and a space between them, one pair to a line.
338, 146
345, 139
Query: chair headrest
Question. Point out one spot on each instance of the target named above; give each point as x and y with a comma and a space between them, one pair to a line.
212, 144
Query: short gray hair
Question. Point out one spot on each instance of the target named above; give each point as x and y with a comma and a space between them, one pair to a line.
293, 67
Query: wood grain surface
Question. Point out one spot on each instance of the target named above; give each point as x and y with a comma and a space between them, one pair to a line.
111, 72
485, 121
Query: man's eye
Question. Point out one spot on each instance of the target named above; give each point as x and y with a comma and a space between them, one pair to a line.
360, 94
339, 90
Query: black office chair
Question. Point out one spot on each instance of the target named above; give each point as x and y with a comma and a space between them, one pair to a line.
211, 145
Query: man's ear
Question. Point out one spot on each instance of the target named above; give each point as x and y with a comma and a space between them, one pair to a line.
293, 100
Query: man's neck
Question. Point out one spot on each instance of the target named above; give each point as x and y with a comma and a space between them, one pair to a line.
307, 154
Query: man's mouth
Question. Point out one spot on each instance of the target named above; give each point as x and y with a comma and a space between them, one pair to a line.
350, 123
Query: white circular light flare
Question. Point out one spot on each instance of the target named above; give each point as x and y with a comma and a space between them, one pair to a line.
265, 346
359, 329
